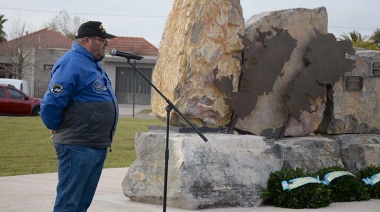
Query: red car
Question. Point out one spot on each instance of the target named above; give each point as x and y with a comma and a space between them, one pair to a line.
14, 102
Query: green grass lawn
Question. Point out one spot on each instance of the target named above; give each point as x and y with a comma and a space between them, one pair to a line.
27, 149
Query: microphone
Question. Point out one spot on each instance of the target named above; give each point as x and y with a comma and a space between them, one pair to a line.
115, 52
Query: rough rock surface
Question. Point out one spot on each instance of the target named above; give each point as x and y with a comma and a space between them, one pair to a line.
357, 111
226, 170
359, 151
199, 38
269, 114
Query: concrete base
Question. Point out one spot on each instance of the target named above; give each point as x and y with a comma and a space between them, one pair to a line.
227, 170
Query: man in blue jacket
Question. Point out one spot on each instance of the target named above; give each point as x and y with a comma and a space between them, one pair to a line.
81, 111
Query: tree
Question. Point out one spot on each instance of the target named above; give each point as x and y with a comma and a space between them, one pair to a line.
353, 36
14, 53
65, 24
360, 41
376, 36
2, 33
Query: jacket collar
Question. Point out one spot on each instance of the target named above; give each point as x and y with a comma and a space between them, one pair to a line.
81, 50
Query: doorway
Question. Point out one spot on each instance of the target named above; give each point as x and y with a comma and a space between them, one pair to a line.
131, 87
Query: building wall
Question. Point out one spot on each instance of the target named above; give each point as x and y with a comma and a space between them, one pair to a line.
111, 64
37, 73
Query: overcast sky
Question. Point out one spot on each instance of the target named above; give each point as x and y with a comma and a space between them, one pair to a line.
146, 18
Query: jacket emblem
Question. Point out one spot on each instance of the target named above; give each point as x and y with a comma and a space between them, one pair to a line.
98, 86
57, 89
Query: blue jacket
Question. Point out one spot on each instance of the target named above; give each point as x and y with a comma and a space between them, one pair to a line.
80, 104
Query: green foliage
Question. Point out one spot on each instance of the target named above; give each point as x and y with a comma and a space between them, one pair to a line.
366, 45
353, 36
374, 190
376, 36
346, 188
27, 149
360, 41
307, 196
2, 33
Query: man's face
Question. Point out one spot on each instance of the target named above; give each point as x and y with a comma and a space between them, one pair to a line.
97, 46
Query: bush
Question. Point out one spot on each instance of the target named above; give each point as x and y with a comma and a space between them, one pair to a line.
345, 188
366, 45
374, 190
307, 196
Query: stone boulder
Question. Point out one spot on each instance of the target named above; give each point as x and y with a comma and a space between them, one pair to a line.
356, 111
200, 45
269, 114
359, 151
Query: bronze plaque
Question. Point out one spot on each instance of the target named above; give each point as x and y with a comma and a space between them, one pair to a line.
375, 69
353, 83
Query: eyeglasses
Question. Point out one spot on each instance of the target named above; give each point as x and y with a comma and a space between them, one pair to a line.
103, 40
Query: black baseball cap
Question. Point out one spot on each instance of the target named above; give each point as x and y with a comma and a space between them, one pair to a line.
93, 29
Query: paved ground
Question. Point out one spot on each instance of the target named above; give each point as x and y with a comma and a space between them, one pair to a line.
36, 193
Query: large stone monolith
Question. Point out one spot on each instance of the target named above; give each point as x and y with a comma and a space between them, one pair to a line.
269, 114
200, 44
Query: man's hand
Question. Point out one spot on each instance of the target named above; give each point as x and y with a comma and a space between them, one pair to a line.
52, 134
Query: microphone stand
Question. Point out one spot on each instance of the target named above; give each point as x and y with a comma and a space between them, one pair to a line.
169, 108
